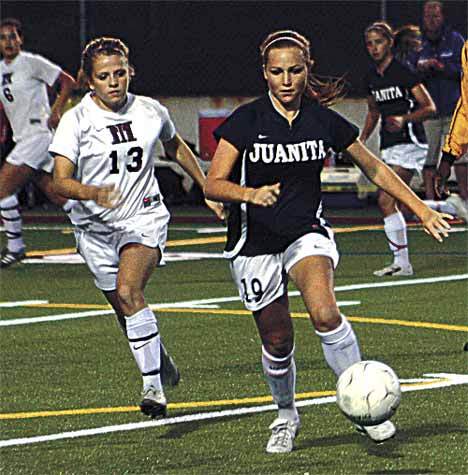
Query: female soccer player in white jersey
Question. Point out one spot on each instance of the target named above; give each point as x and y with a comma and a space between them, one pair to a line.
24, 80
104, 157
395, 95
267, 164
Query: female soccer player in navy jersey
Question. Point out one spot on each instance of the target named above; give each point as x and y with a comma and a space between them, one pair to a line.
267, 165
397, 97
104, 158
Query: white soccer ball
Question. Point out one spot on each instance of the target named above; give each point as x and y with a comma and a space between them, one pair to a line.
368, 393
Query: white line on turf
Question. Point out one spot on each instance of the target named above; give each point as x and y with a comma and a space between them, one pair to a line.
448, 380
208, 303
22, 303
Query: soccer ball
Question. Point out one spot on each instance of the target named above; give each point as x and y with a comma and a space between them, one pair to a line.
368, 393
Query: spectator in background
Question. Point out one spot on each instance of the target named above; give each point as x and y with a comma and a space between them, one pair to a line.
23, 94
439, 65
455, 149
395, 94
407, 46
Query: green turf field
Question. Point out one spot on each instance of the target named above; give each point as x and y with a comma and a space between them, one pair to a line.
69, 387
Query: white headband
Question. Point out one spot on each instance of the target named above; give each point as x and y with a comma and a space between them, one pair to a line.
283, 38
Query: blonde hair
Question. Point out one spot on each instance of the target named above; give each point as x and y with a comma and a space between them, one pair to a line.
326, 90
381, 27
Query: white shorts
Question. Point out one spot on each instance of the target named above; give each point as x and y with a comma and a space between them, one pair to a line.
100, 250
33, 152
406, 155
262, 279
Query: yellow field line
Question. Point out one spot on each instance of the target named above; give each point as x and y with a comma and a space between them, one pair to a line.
177, 242
209, 311
180, 405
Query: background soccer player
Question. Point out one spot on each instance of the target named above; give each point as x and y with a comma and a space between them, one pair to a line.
397, 97
25, 77
267, 164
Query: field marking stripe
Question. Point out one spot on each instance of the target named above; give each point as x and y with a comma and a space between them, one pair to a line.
450, 380
175, 405
209, 311
23, 303
190, 405
173, 243
341, 288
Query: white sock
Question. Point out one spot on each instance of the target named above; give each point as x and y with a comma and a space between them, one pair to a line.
395, 230
340, 347
9, 210
144, 340
280, 374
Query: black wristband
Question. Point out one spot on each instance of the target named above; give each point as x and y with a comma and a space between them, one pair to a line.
448, 157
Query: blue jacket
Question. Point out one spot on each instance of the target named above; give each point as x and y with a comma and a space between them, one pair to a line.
444, 86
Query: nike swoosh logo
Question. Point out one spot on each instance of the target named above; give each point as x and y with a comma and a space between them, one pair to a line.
135, 347
261, 136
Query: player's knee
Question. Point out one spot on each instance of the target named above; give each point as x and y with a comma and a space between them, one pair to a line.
130, 297
386, 204
326, 318
278, 344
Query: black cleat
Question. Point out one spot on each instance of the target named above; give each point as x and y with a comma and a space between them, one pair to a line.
170, 374
154, 403
9, 258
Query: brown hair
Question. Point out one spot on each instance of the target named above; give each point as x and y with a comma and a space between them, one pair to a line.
326, 90
13, 22
405, 38
103, 45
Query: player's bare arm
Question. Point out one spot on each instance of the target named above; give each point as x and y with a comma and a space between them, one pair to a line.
372, 119
178, 150
219, 187
426, 108
383, 176
106, 196
66, 85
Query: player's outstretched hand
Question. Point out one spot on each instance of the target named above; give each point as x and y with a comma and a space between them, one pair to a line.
265, 196
217, 208
435, 224
108, 196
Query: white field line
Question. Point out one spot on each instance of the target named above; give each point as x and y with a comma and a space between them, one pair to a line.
95, 313
449, 380
22, 303
208, 303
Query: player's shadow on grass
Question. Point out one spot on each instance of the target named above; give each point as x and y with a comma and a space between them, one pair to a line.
389, 449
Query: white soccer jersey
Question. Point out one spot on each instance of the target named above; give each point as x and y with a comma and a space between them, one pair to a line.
114, 148
24, 93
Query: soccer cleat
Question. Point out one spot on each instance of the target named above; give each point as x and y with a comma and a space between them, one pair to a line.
154, 403
170, 374
283, 433
379, 433
8, 258
461, 207
394, 270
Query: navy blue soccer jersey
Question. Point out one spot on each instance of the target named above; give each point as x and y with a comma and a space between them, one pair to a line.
271, 151
392, 94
